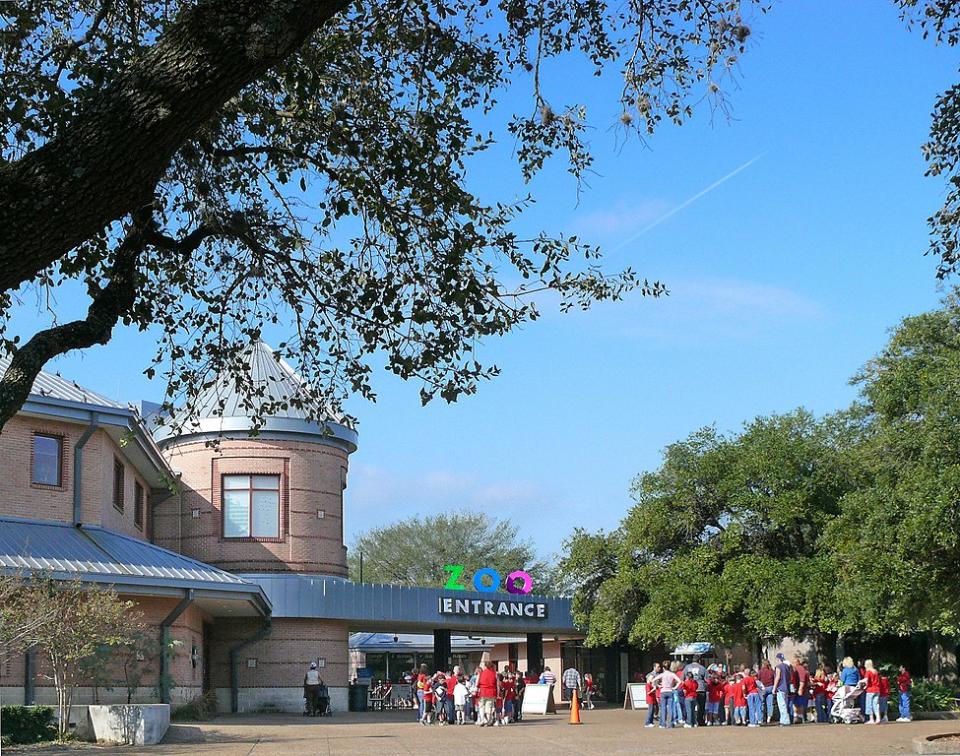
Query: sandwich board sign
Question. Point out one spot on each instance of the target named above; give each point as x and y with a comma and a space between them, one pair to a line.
635, 696
538, 699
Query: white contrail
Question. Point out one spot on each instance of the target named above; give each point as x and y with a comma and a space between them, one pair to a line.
686, 203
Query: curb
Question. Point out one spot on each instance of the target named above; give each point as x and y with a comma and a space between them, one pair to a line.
932, 744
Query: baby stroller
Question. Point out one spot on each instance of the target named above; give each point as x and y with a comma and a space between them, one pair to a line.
323, 703
846, 708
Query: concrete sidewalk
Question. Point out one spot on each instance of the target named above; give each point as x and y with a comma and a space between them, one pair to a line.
604, 731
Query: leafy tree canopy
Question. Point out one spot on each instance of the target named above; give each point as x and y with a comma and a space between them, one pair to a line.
724, 518
898, 539
797, 525
210, 168
414, 551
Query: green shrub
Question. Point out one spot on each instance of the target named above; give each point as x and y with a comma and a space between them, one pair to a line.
198, 709
928, 695
27, 724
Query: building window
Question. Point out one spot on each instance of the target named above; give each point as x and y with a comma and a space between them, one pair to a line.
251, 506
138, 504
47, 460
118, 481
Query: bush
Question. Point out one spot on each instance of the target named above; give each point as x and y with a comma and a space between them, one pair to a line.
928, 695
27, 724
198, 709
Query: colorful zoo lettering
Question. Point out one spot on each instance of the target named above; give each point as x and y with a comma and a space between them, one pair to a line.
518, 582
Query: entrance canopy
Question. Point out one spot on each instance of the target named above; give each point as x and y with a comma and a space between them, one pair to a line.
413, 643
394, 608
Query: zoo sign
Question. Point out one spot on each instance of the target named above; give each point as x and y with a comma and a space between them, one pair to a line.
518, 582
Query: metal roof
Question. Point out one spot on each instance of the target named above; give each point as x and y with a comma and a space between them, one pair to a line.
53, 386
395, 608
90, 552
224, 408
279, 382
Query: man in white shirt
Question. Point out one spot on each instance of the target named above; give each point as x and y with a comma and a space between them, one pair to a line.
460, 694
571, 683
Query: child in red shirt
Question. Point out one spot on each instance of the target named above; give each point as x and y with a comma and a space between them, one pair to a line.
728, 700
884, 697
739, 702
427, 704
689, 689
904, 684
714, 697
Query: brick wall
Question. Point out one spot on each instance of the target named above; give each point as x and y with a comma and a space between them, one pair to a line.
187, 677
310, 481
20, 497
282, 658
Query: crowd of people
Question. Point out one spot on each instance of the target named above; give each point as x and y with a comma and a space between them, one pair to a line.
693, 695
487, 698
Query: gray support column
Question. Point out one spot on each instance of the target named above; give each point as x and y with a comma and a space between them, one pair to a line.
165, 651
535, 652
442, 658
29, 673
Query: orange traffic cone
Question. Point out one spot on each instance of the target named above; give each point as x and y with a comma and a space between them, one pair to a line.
575, 709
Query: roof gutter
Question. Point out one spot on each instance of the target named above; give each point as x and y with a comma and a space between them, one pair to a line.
165, 651
262, 633
78, 467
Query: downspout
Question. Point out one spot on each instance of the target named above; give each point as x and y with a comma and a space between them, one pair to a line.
29, 667
165, 641
78, 467
262, 633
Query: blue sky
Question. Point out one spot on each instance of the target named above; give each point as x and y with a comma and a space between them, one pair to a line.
784, 279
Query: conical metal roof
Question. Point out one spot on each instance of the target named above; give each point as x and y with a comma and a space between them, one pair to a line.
225, 408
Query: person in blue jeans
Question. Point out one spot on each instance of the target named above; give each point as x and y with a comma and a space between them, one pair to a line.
668, 683
689, 688
653, 703
754, 704
653, 710
819, 687
782, 676
904, 683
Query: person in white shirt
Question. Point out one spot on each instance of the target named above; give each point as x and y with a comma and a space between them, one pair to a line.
311, 690
460, 694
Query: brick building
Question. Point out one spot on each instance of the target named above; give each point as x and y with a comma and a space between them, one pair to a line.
229, 538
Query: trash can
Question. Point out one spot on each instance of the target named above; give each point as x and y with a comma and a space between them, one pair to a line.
358, 698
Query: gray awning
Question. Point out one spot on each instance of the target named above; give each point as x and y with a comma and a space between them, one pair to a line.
394, 608
95, 554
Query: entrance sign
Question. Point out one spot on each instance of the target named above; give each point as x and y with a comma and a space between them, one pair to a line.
538, 699
635, 696
492, 608
518, 581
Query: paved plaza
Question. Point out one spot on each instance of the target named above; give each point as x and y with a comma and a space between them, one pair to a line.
604, 731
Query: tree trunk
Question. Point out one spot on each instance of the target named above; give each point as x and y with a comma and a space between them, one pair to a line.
106, 163
825, 646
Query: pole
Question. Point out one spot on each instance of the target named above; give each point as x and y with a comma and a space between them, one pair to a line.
361, 566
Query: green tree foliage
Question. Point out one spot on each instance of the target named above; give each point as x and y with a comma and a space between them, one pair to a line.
414, 551
797, 526
898, 539
212, 167
722, 520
